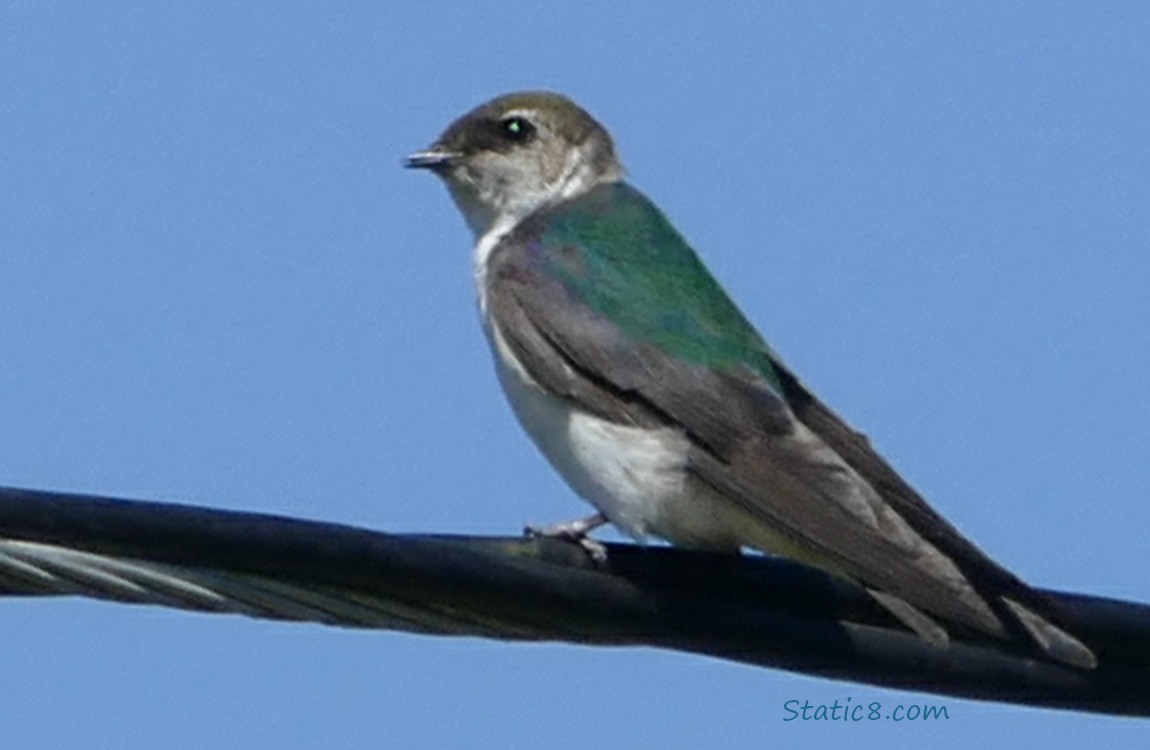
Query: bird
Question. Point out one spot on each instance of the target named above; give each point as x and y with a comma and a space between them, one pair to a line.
658, 402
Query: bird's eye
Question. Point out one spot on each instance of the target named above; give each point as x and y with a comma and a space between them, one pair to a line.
517, 129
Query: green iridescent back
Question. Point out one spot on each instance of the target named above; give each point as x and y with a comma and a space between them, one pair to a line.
617, 252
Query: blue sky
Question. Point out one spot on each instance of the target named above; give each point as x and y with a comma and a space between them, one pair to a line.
218, 286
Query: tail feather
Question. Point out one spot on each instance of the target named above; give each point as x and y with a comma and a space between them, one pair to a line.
914, 618
1056, 642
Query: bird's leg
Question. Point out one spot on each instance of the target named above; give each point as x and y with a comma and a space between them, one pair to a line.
570, 530
574, 531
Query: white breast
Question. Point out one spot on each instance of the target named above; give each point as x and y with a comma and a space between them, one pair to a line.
628, 473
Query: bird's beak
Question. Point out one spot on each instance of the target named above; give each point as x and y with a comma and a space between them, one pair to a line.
433, 158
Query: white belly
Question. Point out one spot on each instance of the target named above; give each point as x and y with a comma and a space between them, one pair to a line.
636, 477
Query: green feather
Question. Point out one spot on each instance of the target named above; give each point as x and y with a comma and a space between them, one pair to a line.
617, 253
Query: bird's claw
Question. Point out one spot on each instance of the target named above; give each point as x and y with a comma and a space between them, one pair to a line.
573, 531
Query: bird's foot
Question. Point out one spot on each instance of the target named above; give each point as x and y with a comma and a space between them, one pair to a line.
574, 531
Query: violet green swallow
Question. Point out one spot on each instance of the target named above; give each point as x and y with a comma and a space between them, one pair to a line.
659, 403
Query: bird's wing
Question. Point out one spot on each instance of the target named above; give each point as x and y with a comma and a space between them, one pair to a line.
748, 445
605, 328
1030, 609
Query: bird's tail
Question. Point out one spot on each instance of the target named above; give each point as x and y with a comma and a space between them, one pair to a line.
1054, 642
